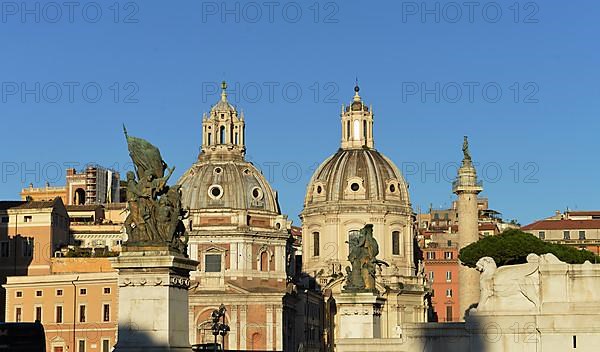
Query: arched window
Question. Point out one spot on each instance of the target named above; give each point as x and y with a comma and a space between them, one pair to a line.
396, 242
222, 135
365, 130
209, 138
79, 198
356, 132
315, 244
348, 130
264, 261
235, 138
255, 342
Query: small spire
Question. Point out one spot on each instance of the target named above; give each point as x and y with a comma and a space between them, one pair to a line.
223, 93
356, 90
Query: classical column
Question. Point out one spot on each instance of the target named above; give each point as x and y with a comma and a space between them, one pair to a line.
243, 327
279, 328
467, 187
269, 316
192, 324
233, 334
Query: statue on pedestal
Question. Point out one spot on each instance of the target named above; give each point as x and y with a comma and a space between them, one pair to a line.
363, 252
465, 149
155, 211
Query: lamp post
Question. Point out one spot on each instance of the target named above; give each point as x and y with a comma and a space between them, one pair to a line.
218, 327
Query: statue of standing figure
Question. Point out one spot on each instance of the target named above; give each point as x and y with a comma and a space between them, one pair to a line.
155, 211
362, 256
465, 149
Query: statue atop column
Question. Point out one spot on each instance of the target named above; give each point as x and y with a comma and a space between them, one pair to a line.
465, 149
155, 211
363, 252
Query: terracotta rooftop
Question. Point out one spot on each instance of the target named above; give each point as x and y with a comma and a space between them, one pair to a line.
584, 212
7, 204
563, 225
487, 226
36, 204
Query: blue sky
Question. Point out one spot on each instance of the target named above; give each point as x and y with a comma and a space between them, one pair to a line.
521, 82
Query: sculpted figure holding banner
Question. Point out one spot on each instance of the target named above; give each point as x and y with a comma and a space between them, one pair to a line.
155, 211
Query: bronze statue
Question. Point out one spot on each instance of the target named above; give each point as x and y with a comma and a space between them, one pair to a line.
465, 149
362, 256
155, 211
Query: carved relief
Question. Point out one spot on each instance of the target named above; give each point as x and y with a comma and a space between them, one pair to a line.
512, 287
175, 281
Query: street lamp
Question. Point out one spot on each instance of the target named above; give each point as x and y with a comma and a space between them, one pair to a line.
218, 327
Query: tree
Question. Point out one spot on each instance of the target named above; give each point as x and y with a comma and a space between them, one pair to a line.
512, 247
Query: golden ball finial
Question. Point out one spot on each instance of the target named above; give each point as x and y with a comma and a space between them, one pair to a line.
223, 85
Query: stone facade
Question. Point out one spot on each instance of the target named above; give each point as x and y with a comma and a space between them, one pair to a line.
580, 229
30, 233
441, 271
239, 238
357, 186
153, 295
77, 303
95, 185
543, 305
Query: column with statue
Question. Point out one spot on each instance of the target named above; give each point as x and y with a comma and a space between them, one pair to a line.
153, 267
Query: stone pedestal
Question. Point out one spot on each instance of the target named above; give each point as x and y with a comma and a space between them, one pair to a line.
153, 301
359, 315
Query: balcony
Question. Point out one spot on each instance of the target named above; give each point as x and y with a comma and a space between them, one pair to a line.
466, 185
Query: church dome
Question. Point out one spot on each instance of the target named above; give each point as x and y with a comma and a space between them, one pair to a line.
357, 174
227, 184
223, 106
221, 178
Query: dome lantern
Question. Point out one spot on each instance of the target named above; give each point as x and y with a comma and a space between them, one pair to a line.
357, 124
223, 131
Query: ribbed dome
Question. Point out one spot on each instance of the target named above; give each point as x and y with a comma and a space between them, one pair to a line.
357, 174
222, 106
227, 185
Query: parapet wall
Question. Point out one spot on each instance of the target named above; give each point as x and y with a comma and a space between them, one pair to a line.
544, 305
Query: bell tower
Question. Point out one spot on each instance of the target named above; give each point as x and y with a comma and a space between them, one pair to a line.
223, 131
357, 124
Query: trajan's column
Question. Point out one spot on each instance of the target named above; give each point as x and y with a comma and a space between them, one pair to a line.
467, 187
